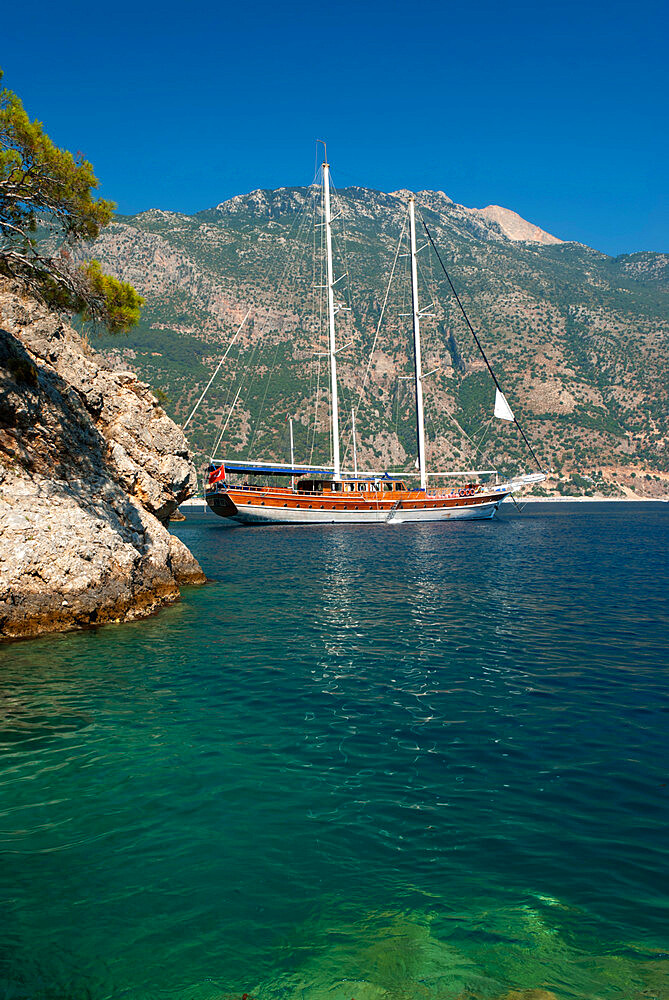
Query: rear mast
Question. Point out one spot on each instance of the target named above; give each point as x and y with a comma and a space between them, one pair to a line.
420, 421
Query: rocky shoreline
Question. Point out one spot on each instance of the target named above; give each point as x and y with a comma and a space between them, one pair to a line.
91, 470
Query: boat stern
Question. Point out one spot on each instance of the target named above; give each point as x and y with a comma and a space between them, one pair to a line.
221, 503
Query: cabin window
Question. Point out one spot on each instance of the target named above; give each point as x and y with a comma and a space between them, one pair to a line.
387, 487
361, 487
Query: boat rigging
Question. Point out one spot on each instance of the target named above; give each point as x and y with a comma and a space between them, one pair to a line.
327, 494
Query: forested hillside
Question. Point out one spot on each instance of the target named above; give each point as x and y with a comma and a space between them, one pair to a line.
578, 339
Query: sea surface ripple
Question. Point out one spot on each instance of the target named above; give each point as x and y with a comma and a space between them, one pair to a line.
378, 763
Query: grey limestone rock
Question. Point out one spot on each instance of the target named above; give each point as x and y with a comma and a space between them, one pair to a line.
91, 469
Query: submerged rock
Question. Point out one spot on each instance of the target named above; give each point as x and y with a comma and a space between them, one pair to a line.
91, 470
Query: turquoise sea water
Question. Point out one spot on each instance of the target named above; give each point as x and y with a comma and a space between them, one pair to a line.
380, 763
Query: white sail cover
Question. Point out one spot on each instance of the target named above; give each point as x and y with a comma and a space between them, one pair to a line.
502, 409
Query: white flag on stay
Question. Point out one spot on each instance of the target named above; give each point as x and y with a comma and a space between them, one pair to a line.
502, 408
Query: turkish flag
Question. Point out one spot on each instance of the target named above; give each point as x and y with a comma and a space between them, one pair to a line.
217, 475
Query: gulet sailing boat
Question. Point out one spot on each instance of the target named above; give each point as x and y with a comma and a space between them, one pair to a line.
324, 495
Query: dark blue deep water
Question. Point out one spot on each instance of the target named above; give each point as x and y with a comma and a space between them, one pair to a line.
382, 763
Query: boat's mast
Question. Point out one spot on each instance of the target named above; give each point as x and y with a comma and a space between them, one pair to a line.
355, 449
331, 321
292, 453
420, 422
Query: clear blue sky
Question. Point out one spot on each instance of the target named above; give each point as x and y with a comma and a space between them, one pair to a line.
556, 110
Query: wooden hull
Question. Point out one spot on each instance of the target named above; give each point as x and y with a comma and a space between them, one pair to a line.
284, 506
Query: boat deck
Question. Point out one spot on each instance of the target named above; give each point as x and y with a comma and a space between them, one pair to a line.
249, 504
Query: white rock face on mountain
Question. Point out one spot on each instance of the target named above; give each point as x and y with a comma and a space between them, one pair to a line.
514, 227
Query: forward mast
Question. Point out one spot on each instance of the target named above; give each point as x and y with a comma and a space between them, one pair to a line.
331, 323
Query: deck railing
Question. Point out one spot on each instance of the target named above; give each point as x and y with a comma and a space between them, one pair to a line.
351, 494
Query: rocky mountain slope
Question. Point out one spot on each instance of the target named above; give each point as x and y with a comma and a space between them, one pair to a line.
91, 469
579, 339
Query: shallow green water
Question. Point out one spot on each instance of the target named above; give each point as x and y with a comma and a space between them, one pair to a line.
383, 763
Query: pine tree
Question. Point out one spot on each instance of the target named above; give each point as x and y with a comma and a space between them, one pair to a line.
48, 209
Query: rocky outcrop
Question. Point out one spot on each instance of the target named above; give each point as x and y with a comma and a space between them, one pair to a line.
91, 469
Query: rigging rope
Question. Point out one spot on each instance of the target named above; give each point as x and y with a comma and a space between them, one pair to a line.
383, 309
218, 368
348, 328
225, 425
483, 437
478, 342
318, 392
254, 350
301, 220
278, 340
319, 300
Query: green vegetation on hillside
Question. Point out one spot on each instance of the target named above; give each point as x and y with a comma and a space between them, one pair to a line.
579, 340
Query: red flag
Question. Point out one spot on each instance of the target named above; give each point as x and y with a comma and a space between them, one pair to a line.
217, 475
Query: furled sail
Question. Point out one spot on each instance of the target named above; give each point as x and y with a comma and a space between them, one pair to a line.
502, 409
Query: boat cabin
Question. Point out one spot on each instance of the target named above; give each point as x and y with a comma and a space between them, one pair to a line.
350, 486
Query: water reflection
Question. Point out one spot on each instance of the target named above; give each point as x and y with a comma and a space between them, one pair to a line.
365, 763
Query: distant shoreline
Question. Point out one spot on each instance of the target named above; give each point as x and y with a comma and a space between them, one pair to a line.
530, 499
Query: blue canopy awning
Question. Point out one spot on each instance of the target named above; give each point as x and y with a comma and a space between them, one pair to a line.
271, 470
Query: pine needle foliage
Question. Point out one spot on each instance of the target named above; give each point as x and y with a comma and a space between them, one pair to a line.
48, 208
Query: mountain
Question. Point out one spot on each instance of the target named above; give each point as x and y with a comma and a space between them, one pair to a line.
578, 339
